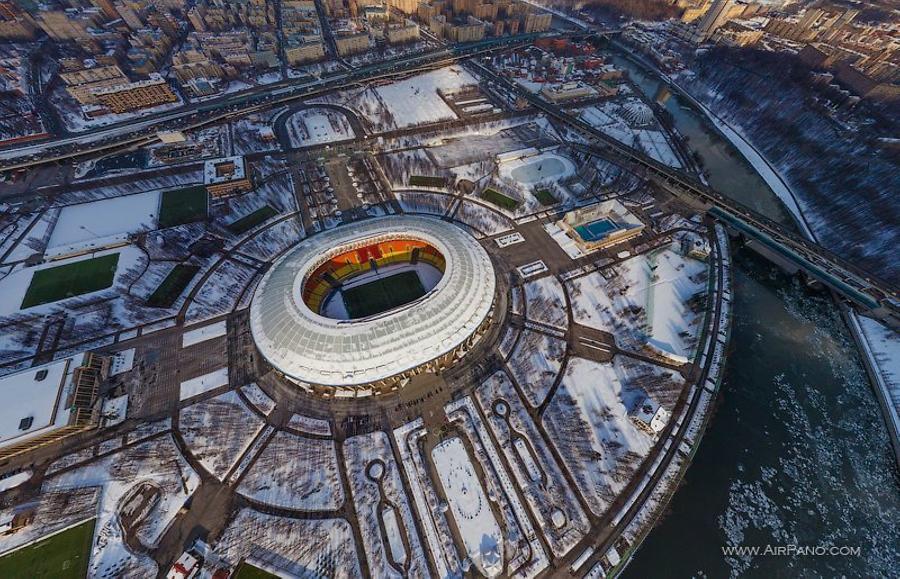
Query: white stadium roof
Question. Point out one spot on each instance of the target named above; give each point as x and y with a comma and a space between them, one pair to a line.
318, 350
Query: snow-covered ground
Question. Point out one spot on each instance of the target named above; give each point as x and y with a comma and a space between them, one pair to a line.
95, 224
14, 286
522, 551
294, 547
204, 383
218, 431
259, 399
552, 502
432, 515
310, 425
316, 126
203, 333
469, 506
416, 100
53, 512
537, 168
588, 421
615, 119
308, 481
882, 347
374, 474
646, 302
546, 302
482, 218
534, 364
153, 464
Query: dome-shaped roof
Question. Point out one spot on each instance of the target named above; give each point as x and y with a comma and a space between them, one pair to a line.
637, 113
315, 349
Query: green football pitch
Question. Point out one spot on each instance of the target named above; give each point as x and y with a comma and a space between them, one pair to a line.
382, 294
62, 556
73, 279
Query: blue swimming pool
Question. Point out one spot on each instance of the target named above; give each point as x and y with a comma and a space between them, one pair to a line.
596, 230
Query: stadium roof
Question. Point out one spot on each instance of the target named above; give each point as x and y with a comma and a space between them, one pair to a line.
318, 350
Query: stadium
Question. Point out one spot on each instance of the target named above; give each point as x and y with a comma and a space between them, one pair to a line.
362, 308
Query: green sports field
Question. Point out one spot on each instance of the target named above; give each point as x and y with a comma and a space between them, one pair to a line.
183, 206
62, 556
499, 199
545, 197
382, 294
171, 287
248, 571
73, 279
248, 222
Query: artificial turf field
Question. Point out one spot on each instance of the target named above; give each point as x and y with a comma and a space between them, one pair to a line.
73, 279
62, 556
172, 286
183, 206
248, 571
382, 294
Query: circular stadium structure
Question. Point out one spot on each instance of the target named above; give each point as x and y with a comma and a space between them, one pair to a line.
363, 307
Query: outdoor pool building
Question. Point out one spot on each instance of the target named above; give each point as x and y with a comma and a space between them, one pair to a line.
602, 225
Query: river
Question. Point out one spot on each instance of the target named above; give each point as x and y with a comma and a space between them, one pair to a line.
797, 452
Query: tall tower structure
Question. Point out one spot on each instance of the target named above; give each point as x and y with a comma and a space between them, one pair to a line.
715, 17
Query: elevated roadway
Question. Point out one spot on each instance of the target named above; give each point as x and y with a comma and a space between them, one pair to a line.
143, 130
877, 298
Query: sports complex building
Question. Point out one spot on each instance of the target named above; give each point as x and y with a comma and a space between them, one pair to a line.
362, 308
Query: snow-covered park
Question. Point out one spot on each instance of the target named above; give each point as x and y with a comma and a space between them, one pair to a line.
645, 301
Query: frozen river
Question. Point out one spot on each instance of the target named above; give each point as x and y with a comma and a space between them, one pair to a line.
797, 451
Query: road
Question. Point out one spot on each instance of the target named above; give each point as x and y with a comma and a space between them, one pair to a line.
875, 296
143, 131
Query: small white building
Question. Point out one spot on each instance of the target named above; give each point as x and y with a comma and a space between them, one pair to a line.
45, 403
649, 415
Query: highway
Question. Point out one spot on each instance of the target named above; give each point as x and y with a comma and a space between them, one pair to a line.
143, 130
875, 296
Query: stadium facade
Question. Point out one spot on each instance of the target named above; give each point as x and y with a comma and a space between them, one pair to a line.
343, 351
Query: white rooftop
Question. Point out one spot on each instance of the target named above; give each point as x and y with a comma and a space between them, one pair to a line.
314, 349
212, 175
38, 393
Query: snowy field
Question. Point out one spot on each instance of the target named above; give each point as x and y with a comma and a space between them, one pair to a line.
615, 118
647, 302
157, 463
259, 399
218, 431
204, 383
523, 553
422, 202
317, 126
536, 472
482, 218
416, 100
98, 223
204, 333
469, 506
589, 423
310, 425
307, 481
546, 302
534, 364
295, 547
373, 474
429, 505
537, 168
